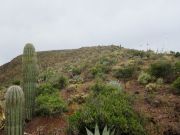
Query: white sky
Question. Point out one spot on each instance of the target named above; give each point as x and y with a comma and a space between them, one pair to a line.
63, 24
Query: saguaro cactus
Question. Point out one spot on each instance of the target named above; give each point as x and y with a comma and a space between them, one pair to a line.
29, 64
14, 111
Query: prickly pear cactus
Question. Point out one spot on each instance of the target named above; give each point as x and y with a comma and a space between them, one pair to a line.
14, 111
29, 64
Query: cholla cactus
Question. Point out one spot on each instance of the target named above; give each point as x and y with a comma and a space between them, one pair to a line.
14, 111
105, 131
29, 64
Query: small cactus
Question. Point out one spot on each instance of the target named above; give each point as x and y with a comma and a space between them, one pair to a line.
14, 111
29, 64
105, 131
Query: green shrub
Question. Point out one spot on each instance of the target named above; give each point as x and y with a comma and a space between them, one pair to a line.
138, 53
16, 82
96, 70
110, 107
46, 88
144, 78
159, 81
75, 70
48, 101
125, 73
177, 68
46, 75
103, 66
98, 87
162, 69
60, 82
49, 104
108, 61
176, 85
177, 54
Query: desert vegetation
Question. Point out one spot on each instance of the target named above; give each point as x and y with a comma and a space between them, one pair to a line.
108, 90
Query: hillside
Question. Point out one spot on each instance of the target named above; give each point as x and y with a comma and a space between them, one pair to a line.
56, 60
154, 101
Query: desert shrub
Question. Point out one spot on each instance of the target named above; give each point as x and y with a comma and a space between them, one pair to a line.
177, 68
96, 70
48, 101
144, 78
75, 70
60, 82
46, 75
151, 87
76, 79
176, 85
116, 85
159, 81
46, 88
136, 53
124, 73
110, 107
162, 69
98, 87
78, 98
150, 97
49, 104
108, 61
16, 82
102, 67
177, 54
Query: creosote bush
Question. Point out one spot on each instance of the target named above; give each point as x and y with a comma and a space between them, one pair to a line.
125, 73
162, 69
109, 107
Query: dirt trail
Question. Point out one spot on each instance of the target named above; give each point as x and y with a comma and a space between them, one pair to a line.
47, 126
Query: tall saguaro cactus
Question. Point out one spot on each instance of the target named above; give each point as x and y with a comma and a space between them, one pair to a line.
29, 64
14, 111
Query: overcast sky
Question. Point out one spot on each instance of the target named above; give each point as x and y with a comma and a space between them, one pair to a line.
64, 24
